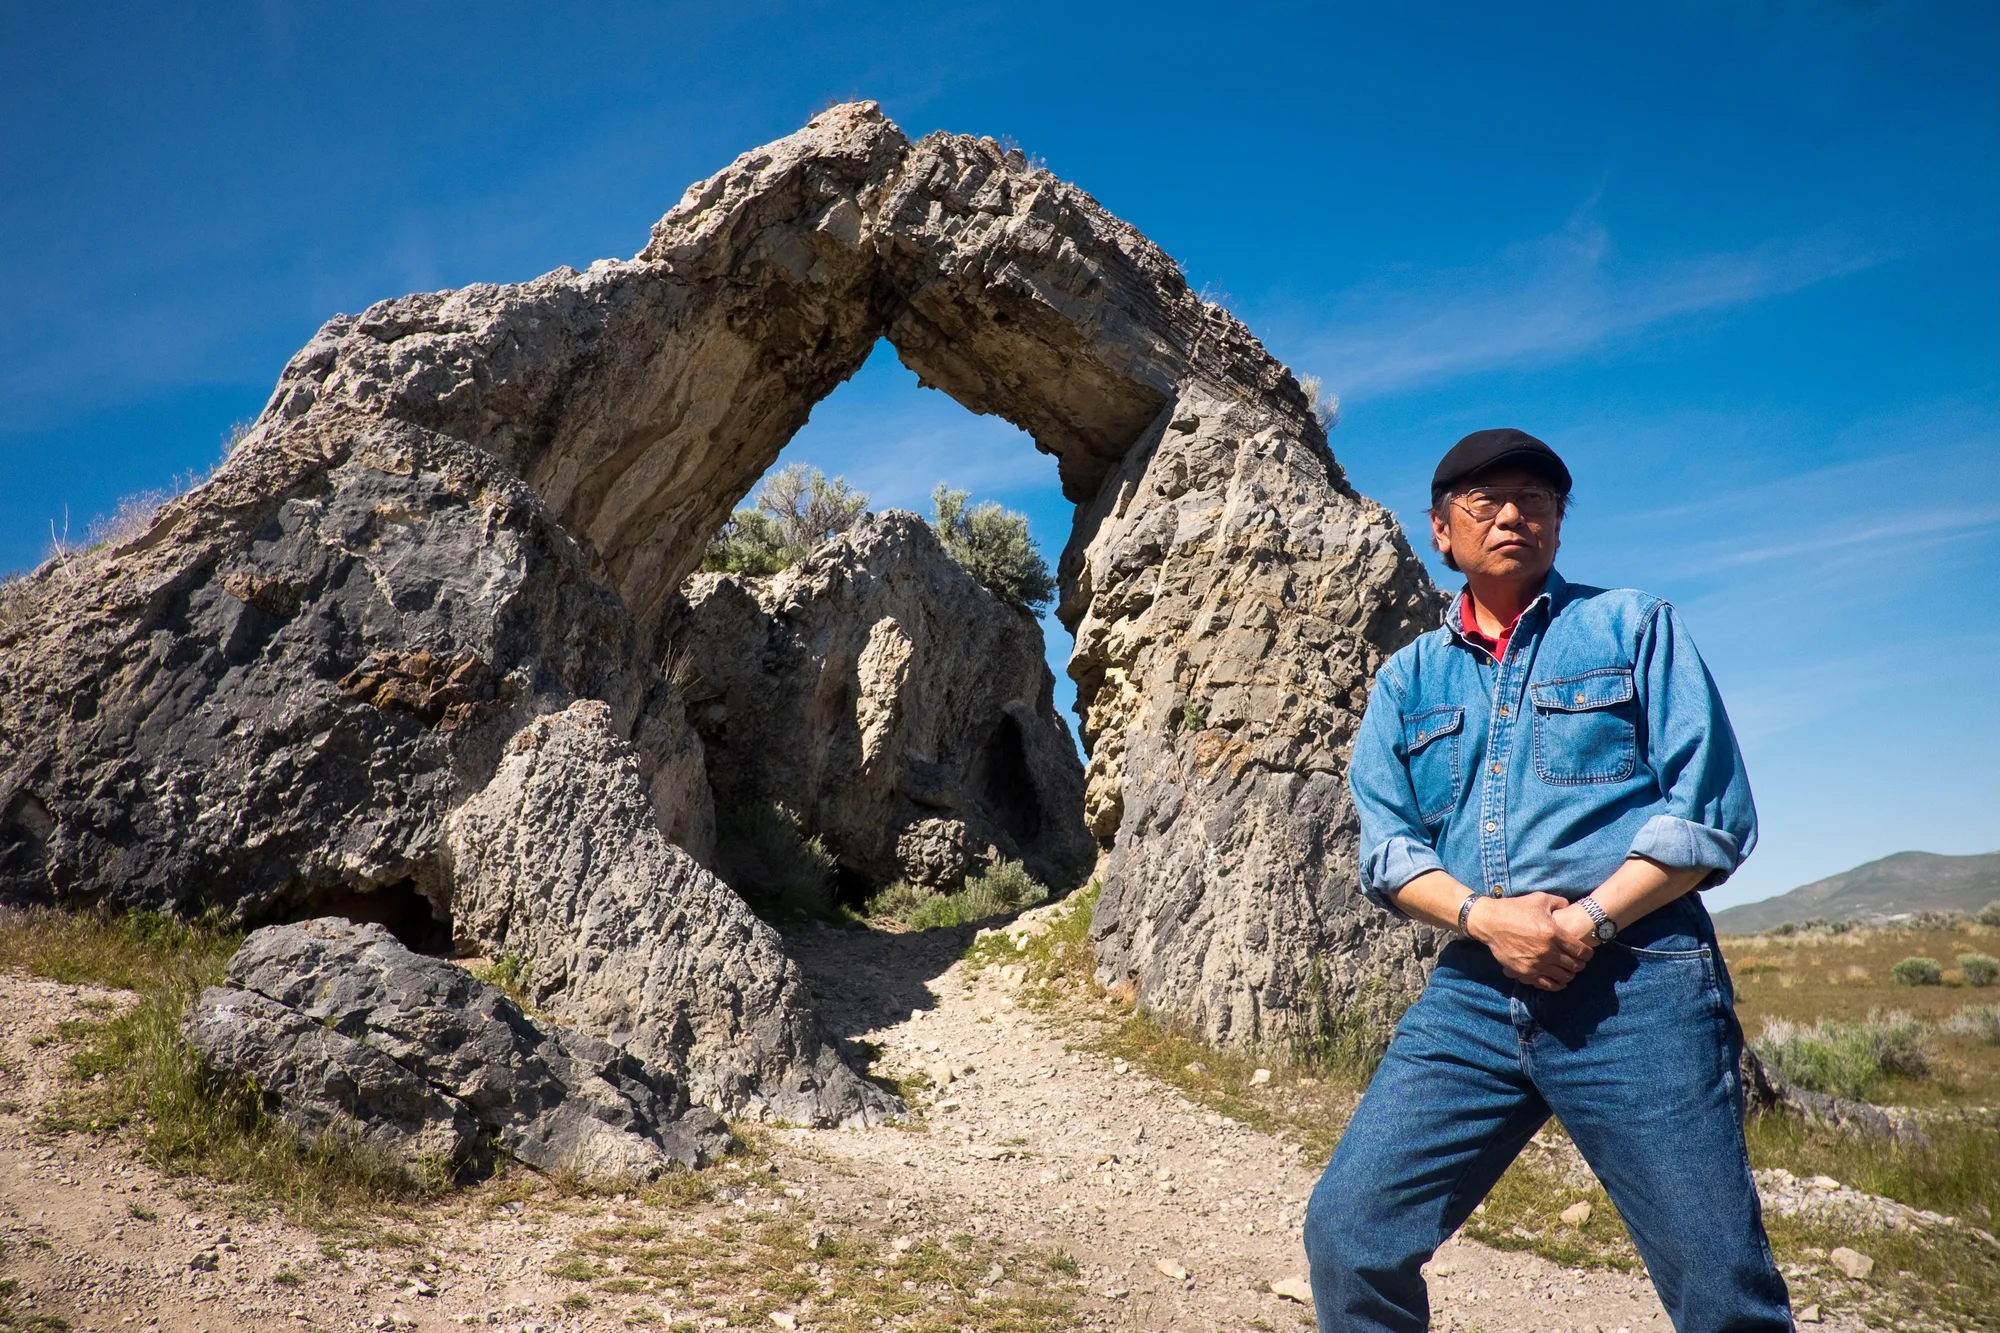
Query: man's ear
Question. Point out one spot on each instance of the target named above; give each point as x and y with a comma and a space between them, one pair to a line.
1441, 536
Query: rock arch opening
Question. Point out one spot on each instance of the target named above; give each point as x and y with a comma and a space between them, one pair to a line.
898, 709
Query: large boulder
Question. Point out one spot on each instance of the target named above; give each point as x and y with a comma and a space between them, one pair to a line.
560, 864
900, 708
540, 467
346, 1031
270, 699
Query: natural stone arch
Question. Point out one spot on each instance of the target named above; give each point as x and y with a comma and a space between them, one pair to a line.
1230, 594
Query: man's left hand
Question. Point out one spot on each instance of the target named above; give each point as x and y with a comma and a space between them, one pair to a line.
1576, 924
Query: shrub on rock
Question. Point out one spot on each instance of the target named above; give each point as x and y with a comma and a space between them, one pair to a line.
994, 546
797, 510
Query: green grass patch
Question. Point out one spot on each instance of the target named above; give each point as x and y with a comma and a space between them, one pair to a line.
136, 951
1001, 889
1847, 1059
1957, 1172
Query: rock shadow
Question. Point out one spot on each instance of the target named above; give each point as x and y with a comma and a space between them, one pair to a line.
864, 979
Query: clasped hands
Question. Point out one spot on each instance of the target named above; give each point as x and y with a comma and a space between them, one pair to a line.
1539, 939
1542, 939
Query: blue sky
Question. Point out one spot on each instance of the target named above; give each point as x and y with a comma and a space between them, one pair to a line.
1736, 261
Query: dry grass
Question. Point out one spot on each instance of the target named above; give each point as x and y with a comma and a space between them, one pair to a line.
725, 1249
1814, 975
740, 1271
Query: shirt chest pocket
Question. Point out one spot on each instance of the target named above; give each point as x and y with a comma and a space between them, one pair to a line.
1586, 727
1432, 741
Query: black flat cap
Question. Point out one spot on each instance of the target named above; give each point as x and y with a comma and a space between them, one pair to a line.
1484, 448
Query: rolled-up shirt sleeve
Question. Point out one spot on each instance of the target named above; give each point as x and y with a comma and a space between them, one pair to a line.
1395, 848
1710, 820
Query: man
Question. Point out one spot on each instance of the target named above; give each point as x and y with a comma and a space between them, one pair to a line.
1548, 775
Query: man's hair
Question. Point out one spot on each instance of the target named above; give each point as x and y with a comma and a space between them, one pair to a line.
1443, 494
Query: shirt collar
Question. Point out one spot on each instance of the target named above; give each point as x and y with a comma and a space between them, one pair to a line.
1551, 596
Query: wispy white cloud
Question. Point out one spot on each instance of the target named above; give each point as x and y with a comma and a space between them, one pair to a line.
1547, 300
1905, 534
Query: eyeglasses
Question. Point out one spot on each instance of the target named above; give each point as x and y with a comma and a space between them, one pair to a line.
1484, 503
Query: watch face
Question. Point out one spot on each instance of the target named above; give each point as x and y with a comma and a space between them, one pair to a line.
1606, 929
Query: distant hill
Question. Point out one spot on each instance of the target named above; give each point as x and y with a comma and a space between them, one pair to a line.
1905, 882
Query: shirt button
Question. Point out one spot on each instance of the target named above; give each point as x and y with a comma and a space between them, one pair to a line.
1503, 710
1495, 891
1490, 826
1496, 768
1579, 697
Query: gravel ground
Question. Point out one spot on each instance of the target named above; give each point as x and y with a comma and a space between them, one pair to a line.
1180, 1219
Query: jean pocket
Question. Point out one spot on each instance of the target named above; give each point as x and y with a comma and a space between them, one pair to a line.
1586, 727
1432, 741
1685, 971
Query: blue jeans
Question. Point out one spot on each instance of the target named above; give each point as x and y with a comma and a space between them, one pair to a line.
1638, 1059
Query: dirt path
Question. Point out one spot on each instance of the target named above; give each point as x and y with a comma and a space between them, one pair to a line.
1178, 1218
1034, 1141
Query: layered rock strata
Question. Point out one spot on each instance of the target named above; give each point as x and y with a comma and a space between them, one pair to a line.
901, 709
345, 1031
1229, 591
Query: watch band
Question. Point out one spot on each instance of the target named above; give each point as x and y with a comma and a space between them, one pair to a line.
1464, 911
1596, 914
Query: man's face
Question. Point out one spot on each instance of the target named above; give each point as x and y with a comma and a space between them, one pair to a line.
1517, 541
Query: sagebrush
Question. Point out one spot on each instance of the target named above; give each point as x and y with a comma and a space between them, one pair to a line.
994, 546
1001, 888
1846, 1059
797, 510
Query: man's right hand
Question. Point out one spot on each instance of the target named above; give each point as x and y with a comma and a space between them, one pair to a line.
1527, 941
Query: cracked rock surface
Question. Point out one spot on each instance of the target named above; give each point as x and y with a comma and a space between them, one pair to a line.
345, 1029
560, 863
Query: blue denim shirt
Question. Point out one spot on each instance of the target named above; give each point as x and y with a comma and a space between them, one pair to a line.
1599, 737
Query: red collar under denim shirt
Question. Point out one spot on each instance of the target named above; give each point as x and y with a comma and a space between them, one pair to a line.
1468, 621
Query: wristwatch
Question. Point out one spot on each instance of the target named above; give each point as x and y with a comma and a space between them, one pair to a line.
1607, 929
